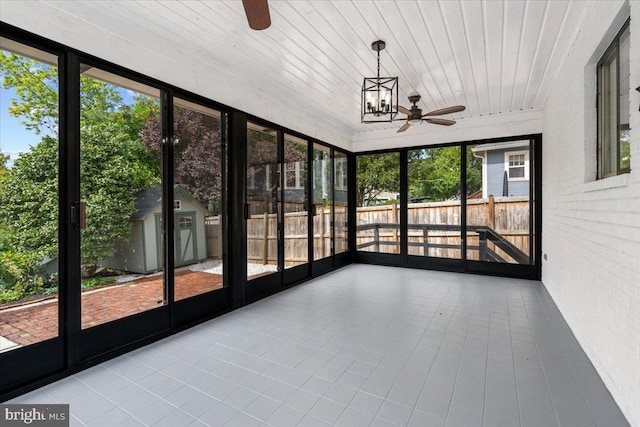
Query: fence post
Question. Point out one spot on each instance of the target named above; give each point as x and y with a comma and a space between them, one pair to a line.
492, 212
265, 240
376, 237
394, 215
425, 240
218, 250
482, 245
322, 244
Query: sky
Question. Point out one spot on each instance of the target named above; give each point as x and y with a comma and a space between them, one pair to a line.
14, 138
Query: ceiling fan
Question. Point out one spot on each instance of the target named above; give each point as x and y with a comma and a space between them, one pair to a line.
415, 116
257, 12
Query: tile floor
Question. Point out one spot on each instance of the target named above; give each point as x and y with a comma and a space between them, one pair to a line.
363, 346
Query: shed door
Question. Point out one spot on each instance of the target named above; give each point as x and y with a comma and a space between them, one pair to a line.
185, 238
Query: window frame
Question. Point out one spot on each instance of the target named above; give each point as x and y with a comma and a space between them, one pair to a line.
604, 60
507, 167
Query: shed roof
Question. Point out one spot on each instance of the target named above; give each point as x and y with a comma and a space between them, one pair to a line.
148, 198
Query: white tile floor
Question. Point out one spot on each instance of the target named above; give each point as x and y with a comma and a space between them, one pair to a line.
363, 346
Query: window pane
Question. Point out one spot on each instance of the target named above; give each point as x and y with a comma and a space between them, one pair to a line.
341, 202
516, 172
323, 201
263, 199
197, 193
609, 115
625, 71
378, 204
434, 202
28, 196
296, 215
120, 186
498, 228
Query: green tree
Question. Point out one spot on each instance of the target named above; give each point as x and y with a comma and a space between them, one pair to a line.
114, 164
434, 174
4, 158
376, 174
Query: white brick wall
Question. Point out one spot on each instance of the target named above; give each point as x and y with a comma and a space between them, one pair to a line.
591, 230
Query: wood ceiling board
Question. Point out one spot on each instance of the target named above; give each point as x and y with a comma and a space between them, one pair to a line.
456, 33
529, 44
474, 24
552, 21
511, 40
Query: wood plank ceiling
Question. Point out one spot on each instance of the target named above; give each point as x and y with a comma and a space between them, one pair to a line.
495, 57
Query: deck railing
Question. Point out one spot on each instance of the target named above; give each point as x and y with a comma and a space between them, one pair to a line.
485, 235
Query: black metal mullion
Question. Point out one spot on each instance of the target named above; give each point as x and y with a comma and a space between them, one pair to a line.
281, 201
69, 275
532, 199
404, 206
310, 205
224, 152
166, 108
237, 201
538, 204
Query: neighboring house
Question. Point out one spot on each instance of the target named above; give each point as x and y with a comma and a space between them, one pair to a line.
263, 181
505, 168
143, 252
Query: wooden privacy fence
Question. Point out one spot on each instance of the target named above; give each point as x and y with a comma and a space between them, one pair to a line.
507, 216
262, 236
435, 227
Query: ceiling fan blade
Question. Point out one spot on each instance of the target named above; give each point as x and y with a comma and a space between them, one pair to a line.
404, 127
404, 110
443, 122
446, 110
257, 12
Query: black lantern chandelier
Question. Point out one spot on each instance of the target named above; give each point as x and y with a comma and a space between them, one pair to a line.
379, 94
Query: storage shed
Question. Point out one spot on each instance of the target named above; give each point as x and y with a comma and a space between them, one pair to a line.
143, 252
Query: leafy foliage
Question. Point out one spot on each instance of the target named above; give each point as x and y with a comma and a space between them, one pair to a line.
376, 174
29, 200
114, 166
434, 174
197, 153
36, 88
4, 158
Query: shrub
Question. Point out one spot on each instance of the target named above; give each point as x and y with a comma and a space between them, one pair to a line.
20, 275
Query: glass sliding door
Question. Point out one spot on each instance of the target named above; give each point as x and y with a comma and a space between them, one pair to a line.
434, 190
29, 196
296, 202
120, 208
499, 202
378, 203
322, 202
197, 199
263, 186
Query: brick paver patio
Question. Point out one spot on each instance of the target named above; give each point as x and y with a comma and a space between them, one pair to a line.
37, 322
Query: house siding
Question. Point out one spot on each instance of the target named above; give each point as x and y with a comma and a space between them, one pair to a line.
495, 175
591, 229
